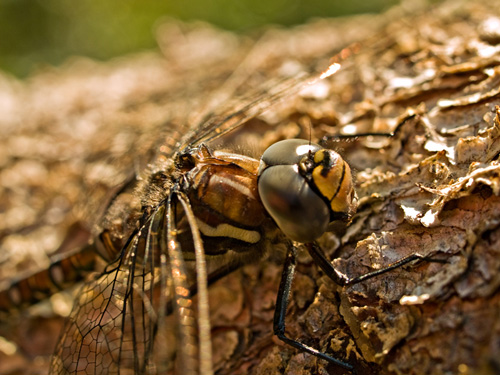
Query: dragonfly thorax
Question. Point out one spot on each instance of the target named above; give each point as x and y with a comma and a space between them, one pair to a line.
222, 189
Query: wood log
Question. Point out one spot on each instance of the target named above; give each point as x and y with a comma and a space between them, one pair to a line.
429, 75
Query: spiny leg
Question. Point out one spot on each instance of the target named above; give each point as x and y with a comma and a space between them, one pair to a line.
205, 350
281, 308
140, 318
343, 280
183, 302
151, 307
339, 137
339, 278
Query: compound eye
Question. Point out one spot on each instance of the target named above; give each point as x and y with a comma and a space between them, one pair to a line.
287, 152
299, 212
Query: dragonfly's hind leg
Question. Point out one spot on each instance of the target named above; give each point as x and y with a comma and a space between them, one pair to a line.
281, 308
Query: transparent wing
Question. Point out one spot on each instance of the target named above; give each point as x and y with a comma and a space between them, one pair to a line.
120, 323
114, 322
216, 125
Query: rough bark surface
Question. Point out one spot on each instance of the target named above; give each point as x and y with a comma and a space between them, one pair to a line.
431, 76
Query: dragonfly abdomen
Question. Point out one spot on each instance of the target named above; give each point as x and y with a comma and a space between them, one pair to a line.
63, 272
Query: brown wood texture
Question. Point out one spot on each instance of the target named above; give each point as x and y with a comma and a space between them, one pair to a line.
71, 135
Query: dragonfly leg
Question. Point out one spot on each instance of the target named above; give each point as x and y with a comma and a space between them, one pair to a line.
339, 137
281, 308
343, 280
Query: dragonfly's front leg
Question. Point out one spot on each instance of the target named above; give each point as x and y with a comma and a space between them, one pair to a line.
282, 299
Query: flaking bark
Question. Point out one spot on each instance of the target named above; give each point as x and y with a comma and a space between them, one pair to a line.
431, 76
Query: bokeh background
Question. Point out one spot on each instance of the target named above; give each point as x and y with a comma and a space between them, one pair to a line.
37, 33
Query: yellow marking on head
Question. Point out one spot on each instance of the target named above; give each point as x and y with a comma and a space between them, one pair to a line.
343, 200
327, 180
319, 156
334, 182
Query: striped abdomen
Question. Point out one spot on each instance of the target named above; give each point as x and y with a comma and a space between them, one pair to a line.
64, 271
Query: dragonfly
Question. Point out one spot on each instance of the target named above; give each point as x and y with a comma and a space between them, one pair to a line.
202, 215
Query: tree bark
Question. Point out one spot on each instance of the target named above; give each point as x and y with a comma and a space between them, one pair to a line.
431, 76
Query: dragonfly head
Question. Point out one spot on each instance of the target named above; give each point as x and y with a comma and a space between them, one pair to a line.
305, 188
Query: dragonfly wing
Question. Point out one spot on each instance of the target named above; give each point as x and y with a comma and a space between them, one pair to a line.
114, 321
122, 321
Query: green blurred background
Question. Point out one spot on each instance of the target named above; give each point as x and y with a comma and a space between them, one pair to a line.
35, 33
